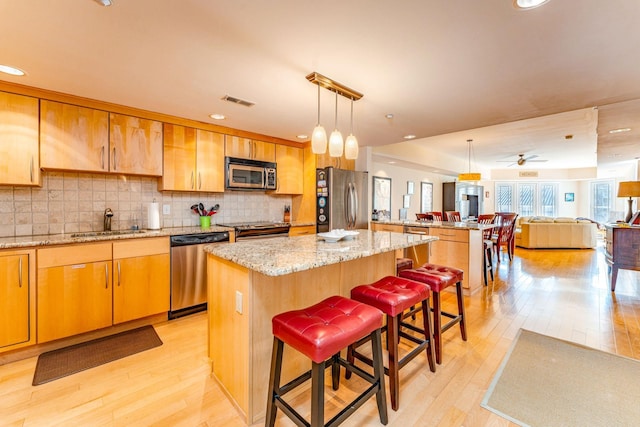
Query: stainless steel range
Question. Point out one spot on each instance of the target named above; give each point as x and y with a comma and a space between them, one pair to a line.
259, 230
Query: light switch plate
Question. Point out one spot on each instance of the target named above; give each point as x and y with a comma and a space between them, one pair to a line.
239, 302
166, 209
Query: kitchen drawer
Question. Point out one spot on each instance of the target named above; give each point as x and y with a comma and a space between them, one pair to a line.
74, 254
387, 227
140, 247
450, 235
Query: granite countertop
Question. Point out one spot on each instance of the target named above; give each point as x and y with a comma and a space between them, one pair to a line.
439, 224
88, 237
284, 255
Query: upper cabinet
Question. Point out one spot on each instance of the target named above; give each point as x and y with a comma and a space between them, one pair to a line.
19, 156
193, 159
250, 149
73, 137
135, 145
89, 140
325, 160
290, 161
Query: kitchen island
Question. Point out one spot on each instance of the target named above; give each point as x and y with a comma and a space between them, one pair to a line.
459, 245
251, 281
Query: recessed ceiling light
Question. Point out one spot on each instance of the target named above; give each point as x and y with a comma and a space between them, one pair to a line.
620, 130
528, 4
389, 116
410, 136
216, 116
302, 136
392, 162
11, 70
104, 2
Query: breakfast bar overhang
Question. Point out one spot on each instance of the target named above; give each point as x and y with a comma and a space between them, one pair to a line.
250, 282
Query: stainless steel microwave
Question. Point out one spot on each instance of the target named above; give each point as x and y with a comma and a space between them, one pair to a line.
246, 174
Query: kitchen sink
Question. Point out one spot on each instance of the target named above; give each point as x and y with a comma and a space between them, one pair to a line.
107, 233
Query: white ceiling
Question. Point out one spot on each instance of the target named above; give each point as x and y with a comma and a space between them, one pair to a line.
458, 68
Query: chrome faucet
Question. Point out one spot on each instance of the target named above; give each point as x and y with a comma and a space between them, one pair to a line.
108, 213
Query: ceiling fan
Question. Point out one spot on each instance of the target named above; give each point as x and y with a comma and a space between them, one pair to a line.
521, 160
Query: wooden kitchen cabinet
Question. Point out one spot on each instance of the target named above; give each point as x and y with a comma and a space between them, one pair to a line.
460, 249
325, 160
135, 145
19, 140
140, 279
249, 149
73, 138
74, 292
193, 159
302, 230
17, 299
377, 226
290, 163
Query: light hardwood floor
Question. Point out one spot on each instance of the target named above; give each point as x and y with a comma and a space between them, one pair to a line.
562, 293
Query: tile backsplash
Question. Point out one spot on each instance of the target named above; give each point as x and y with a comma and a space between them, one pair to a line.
75, 202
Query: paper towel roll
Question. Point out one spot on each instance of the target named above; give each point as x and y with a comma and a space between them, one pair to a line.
154, 216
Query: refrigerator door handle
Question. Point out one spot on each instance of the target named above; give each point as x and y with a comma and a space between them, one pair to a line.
347, 206
354, 197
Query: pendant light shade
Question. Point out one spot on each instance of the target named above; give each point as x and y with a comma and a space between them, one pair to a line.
319, 135
337, 146
335, 140
470, 176
351, 144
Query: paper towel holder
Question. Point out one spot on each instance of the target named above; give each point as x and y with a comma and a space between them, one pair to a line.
153, 215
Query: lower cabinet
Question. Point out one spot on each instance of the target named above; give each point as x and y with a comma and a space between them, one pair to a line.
17, 299
74, 290
140, 278
460, 249
302, 230
84, 287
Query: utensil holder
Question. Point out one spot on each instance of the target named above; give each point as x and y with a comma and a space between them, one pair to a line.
205, 221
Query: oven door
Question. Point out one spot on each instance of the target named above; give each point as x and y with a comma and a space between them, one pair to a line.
245, 177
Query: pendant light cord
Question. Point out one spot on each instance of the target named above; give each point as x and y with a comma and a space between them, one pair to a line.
336, 121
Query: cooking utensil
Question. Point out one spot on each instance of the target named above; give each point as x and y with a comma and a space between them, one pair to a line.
216, 207
201, 209
194, 208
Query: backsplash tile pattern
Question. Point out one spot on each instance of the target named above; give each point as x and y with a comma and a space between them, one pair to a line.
75, 202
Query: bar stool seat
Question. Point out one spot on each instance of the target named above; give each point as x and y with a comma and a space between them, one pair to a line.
320, 332
403, 264
438, 278
393, 295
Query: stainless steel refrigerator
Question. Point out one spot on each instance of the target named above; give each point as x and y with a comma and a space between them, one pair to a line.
341, 199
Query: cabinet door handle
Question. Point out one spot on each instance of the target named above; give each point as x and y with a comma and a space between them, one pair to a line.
199, 181
102, 157
115, 167
31, 170
192, 183
106, 276
119, 273
20, 272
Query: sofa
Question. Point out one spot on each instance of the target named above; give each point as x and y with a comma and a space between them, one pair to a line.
546, 232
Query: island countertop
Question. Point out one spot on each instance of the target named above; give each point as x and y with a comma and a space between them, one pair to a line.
438, 224
284, 255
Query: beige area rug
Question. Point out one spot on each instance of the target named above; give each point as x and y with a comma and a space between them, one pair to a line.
79, 357
544, 381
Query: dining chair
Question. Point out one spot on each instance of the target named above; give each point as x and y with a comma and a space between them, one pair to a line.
505, 234
424, 217
487, 245
452, 216
437, 216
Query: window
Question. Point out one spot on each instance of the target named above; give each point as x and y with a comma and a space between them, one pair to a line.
527, 198
426, 197
601, 200
504, 197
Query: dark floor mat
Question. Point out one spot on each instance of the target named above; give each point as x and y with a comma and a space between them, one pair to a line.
59, 363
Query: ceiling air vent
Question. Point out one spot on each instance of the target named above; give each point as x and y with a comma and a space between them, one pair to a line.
528, 174
238, 101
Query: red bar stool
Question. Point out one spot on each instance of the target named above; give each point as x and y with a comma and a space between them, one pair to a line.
439, 277
403, 264
393, 295
320, 332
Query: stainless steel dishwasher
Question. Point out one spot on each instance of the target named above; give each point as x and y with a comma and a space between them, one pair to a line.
189, 271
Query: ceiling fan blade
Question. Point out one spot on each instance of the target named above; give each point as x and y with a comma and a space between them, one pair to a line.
541, 161
533, 156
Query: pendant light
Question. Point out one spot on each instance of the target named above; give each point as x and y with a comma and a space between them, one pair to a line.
335, 140
319, 135
351, 144
470, 176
